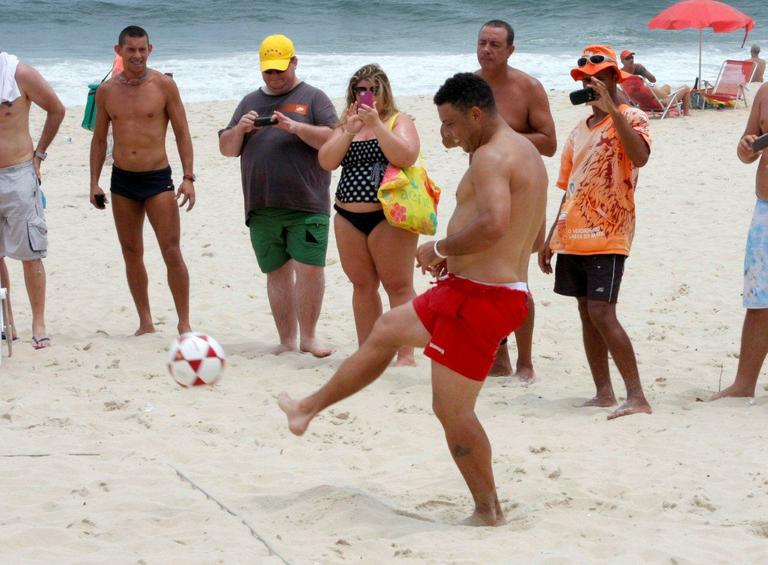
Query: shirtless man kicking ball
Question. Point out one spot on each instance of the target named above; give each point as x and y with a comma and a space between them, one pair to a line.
481, 293
139, 102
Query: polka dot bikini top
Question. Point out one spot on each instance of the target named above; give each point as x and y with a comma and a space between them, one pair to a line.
362, 170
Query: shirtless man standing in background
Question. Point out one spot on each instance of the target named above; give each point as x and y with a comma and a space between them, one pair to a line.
523, 104
139, 102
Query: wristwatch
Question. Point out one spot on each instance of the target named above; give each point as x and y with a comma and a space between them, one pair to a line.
191, 177
41, 155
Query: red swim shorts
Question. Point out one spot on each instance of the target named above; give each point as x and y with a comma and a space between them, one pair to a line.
467, 321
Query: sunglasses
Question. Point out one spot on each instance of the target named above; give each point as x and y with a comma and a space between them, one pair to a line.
594, 59
362, 89
273, 72
630, 58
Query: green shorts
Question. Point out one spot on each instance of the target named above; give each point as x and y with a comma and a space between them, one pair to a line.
278, 235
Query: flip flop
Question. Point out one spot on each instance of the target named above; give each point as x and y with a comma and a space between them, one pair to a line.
41, 343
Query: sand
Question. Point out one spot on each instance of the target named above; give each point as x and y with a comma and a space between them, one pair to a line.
96, 437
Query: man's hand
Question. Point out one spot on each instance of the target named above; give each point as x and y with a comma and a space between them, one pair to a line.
286, 123
36, 161
187, 190
246, 125
97, 194
745, 145
603, 101
545, 259
428, 261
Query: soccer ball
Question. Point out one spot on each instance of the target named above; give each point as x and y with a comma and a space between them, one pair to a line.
195, 359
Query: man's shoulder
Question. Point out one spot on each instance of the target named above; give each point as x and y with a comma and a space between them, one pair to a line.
522, 77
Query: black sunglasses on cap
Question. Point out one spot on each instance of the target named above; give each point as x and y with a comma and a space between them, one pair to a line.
594, 59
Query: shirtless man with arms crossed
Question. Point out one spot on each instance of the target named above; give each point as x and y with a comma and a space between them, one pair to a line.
139, 102
754, 334
481, 294
523, 104
24, 234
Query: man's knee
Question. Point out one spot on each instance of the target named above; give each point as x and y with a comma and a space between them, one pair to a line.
171, 252
451, 416
397, 287
602, 314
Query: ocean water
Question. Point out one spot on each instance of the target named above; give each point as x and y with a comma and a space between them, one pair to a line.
211, 46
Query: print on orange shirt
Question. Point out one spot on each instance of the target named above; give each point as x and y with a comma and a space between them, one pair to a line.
598, 214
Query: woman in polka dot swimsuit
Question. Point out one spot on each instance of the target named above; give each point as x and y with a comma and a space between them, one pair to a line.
371, 251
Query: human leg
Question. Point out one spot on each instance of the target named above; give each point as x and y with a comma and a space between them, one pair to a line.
281, 292
308, 299
453, 401
393, 251
359, 267
754, 348
603, 316
34, 279
163, 214
129, 221
597, 358
400, 326
524, 340
5, 282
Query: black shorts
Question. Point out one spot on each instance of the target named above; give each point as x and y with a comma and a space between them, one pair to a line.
140, 185
598, 277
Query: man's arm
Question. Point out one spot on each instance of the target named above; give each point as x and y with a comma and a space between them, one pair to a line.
752, 130
178, 118
545, 252
540, 120
642, 71
99, 142
636, 147
314, 136
40, 92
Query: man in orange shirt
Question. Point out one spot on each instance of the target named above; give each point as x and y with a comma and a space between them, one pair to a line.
593, 230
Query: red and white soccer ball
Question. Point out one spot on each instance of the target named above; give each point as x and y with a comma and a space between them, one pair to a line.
195, 359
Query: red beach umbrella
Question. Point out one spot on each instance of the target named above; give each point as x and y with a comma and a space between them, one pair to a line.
700, 14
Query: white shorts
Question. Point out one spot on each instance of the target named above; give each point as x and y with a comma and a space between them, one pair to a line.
23, 233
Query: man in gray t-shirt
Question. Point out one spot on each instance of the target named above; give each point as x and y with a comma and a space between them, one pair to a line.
287, 201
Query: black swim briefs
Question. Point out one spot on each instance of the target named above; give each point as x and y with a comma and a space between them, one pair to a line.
140, 185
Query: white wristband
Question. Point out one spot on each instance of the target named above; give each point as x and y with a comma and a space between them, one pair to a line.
437, 252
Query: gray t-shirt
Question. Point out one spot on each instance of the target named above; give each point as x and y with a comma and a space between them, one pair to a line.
278, 169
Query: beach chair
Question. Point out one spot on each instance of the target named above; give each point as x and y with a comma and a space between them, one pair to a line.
5, 325
638, 91
731, 83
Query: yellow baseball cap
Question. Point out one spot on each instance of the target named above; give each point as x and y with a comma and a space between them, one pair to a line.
275, 53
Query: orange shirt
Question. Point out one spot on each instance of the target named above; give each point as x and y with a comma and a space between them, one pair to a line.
598, 214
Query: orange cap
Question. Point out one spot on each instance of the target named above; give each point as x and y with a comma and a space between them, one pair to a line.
626, 53
591, 69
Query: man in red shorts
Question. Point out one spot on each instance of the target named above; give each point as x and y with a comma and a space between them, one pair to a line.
481, 293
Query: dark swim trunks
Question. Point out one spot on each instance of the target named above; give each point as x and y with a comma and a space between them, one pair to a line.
140, 185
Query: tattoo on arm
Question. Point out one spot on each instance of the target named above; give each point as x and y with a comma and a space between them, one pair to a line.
461, 451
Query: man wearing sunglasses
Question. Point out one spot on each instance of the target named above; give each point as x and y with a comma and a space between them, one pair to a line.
523, 104
593, 230
277, 131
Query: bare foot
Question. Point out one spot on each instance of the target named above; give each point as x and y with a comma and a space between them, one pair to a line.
145, 329
311, 346
484, 519
283, 348
734, 391
502, 366
525, 373
184, 328
600, 401
298, 416
631, 406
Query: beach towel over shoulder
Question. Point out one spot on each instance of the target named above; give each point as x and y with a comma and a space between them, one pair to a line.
9, 89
